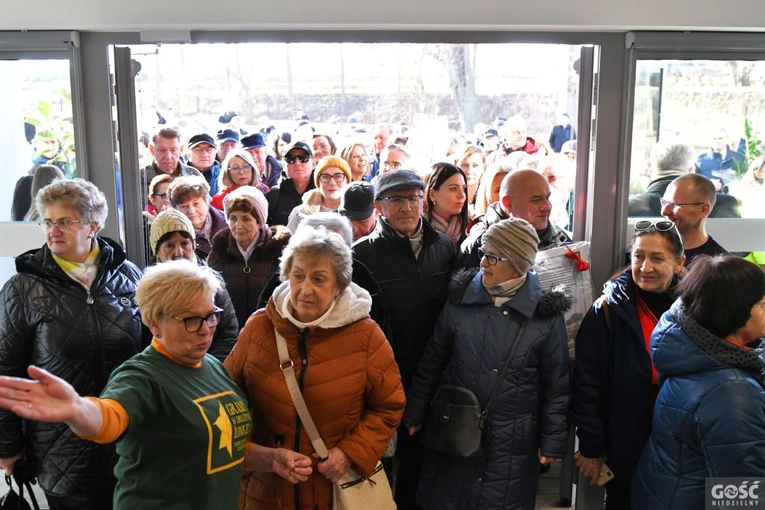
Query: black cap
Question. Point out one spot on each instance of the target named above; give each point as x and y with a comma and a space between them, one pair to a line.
298, 144
253, 141
228, 135
202, 138
491, 132
358, 201
397, 179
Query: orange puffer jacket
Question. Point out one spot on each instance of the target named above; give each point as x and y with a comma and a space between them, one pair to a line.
350, 382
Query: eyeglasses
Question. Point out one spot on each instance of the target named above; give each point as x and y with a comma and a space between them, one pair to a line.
194, 324
64, 224
163, 196
240, 169
661, 226
392, 165
200, 149
491, 259
304, 158
413, 200
674, 206
338, 178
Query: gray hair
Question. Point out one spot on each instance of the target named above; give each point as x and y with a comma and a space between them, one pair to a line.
81, 195
396, 147
668, 156
332, 222
316, 243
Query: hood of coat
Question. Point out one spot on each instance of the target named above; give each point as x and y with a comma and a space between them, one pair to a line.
311, 201
466, 288
274, 240
40, 261
353, 304
679, 345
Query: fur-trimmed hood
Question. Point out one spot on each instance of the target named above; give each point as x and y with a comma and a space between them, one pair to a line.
466, 288
311, 202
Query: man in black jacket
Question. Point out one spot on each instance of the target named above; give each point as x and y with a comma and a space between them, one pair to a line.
411, 262
524, 194
298, 179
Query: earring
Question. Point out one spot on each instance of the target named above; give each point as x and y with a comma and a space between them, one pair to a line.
90, 236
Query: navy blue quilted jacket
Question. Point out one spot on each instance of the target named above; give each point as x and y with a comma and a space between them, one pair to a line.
471, 341
709, 418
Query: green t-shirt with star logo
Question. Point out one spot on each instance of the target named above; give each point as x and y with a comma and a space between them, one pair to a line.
185, 444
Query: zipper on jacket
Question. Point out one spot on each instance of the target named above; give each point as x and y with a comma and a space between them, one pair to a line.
99, 351
298, 425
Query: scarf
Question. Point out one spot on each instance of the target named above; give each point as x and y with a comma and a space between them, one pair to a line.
286, 312
247, 252
452, 228
415, 241
504, 292
83, 273
717, 348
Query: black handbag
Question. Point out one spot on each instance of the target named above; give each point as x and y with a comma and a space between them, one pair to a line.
13, 501
455, 422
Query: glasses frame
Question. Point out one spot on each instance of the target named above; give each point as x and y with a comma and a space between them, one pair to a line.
493, 260
674, 206
163, 196
240, 169
412, 200
64, 224
304, 158
325, 178
215, 314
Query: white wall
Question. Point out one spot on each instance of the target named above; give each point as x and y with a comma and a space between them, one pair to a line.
579, 15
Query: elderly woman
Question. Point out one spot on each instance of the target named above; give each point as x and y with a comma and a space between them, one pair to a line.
191, 195
496, 314
446, 206
331, 176
172, 237
247, 252
709, 418
615, 381
180, 422
355, 154
238, 169
70, 310
347, 373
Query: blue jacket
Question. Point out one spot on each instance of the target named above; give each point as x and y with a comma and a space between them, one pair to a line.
709, 421
711, 164
469, 345
611, 404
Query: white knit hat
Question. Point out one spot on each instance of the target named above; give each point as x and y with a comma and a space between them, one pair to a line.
252, 195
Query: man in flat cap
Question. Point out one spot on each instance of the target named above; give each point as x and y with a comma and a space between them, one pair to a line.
411, 261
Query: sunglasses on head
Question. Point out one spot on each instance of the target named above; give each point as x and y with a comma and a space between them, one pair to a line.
302, 157
661, 226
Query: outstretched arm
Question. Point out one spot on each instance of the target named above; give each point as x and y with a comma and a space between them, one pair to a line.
51, 399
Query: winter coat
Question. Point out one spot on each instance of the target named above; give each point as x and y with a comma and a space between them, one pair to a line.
51, 321
414, 290
212, 176
470, 343
227, 330
275, 171
560, 135
531, 147
649, 203
350, 383
709, 418
246, 280
711, 164
204, 247
611, 392
283, 198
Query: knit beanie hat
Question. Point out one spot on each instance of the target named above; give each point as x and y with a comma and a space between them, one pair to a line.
167, 222
254, 197
329, 162
516, 240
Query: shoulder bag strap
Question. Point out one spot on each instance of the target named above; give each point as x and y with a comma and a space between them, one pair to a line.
502, 373
288, 369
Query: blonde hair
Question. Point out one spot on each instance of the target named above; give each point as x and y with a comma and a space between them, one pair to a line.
225, 179
483, 193
169, 289
81, 195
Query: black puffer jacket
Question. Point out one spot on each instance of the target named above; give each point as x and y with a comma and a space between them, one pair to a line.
51, 321
471, 341
283, 198
245, 281
413, 290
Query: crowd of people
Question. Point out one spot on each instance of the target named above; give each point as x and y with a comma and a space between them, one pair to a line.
336, 267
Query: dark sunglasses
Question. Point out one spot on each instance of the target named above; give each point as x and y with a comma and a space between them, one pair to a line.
661, 226
304, 158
